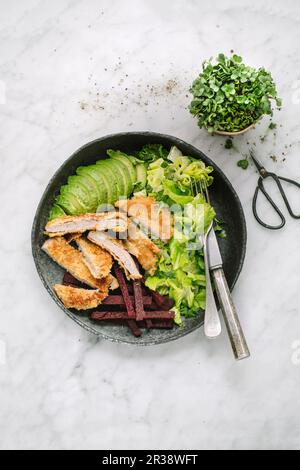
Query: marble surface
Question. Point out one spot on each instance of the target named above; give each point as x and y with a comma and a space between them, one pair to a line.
71, 71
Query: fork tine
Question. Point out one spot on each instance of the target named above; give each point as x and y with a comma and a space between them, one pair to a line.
200, 187
206, 192
194, 187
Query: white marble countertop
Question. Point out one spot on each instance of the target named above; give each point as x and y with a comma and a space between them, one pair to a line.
71, 71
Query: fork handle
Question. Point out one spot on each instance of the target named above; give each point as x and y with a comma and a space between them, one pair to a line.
235, 332
212, 323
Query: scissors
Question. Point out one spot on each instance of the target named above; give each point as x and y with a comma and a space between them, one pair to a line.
264, 174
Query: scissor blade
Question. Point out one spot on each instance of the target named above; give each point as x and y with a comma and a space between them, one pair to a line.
215, 258
258, 165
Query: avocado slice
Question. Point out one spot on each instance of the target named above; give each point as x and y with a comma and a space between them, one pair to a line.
86, 198
114, 179
56, 212
108, 181
92, 185
91, 193
69, 203
121, 157
141, 173
121, 177
126, 176
103, 185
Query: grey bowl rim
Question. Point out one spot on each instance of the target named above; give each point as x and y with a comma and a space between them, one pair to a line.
44, 195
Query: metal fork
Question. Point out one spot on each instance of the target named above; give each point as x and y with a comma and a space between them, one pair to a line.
215, 266
212, 323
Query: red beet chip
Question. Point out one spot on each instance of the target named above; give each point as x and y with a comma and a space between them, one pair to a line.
119, 300
161, 301
125, 293
69, 280
151, 315
138, 300
117, 316
134, 328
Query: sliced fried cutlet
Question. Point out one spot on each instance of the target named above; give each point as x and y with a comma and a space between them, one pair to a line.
118, 252
98, 260
72, 237
118, 224
79, 299
140, 246
80, 224
155, 220
72, 260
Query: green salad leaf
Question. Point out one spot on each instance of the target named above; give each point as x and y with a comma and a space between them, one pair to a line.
230, 96
180, 272
171, 190
172, 177
151, 152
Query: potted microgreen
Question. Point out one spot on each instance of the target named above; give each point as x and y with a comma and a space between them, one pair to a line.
230, 97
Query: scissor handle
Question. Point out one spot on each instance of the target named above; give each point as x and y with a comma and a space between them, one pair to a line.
261, 188
288, 206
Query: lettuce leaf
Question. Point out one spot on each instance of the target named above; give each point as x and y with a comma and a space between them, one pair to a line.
156, 175
180, 271
171, 190
151, 152
176, 178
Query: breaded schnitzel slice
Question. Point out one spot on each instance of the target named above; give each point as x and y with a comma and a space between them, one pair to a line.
98, 260
140, 246
81, 223
72, 260
72, 237
117, 250
146, 212
79, 299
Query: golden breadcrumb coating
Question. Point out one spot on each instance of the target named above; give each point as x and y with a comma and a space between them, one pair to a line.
98, 260
79, 299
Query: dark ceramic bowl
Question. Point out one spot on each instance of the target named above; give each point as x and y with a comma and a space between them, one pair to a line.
224, 200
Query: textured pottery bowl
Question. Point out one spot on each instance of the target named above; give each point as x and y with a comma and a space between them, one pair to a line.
224, 200
235, 134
